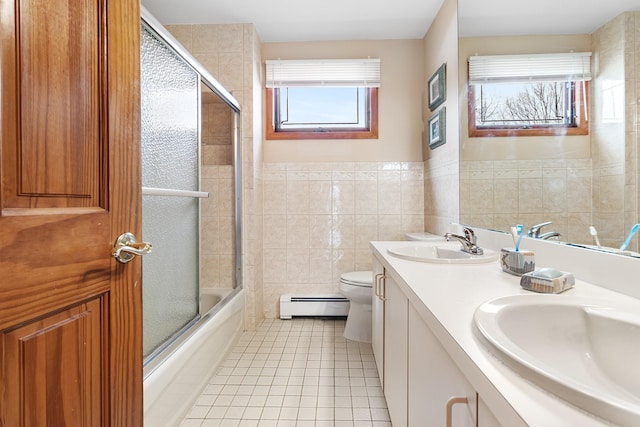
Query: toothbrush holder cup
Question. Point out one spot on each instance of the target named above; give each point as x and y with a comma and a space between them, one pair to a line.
517, 262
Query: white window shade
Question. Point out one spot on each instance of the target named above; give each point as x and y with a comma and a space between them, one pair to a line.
325, 72
530, 68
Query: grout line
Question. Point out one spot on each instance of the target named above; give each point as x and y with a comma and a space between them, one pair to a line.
299, 372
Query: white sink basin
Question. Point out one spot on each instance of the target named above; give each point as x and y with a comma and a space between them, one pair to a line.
583, 350
442, 254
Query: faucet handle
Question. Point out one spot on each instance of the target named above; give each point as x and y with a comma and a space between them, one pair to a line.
469, 235
535, 230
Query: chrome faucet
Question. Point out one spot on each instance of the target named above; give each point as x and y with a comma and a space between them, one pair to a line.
469, 234
468, 241
535, 230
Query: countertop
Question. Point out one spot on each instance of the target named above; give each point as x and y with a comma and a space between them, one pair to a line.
446, 297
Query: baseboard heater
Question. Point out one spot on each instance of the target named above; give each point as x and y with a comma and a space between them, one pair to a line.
313, 306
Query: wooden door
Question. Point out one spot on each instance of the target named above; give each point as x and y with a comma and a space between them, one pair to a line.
70, 315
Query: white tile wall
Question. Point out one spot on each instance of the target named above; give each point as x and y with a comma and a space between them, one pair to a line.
320, 217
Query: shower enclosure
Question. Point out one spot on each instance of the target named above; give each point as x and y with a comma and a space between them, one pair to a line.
180, 103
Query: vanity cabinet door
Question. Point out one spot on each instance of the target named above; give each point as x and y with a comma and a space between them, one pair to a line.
377, 327
434, 379
395, 352
485, 416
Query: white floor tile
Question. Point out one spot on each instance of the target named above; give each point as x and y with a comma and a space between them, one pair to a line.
294, 373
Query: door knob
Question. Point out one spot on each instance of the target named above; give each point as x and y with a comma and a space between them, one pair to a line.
126, 248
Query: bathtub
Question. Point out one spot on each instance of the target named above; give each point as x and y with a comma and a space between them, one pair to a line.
172, 387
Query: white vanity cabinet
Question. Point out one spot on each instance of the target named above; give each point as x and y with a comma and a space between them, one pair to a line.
419, 376
485, 416
433, 380
395, 351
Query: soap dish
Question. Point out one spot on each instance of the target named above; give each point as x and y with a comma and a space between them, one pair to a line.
548, 281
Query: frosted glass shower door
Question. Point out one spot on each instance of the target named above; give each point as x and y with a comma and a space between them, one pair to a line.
170, 161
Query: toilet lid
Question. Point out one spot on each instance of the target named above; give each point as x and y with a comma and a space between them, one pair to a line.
357, 278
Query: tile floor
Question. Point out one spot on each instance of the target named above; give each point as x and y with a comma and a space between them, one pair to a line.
299, 372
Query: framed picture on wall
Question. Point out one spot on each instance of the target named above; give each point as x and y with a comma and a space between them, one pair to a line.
437, 87
436, 130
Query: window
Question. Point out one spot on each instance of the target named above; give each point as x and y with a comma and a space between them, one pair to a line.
322, 99
527, 95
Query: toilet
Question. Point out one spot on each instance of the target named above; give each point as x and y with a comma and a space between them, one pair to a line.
357, 287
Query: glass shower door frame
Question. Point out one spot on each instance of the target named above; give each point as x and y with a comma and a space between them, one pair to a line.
154, 27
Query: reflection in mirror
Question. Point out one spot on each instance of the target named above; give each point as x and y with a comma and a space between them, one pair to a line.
576, 182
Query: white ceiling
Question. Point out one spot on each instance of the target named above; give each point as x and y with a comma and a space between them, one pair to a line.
300, 20
517, 17
304, 20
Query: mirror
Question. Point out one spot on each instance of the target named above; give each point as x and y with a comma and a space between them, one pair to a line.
577, 182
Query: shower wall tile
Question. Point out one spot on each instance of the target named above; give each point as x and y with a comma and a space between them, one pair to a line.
231, 38
320, 217
227, 235
210, 235
228, 66
182, 33
205, 39
216, 154
231, 53
210, 271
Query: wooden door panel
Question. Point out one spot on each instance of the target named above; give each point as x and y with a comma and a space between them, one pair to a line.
58, 89
53, 367
51, 261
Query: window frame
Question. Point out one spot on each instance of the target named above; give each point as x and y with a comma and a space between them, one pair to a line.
370, 133
581, 126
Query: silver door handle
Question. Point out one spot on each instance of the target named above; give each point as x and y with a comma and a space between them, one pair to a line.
126, 248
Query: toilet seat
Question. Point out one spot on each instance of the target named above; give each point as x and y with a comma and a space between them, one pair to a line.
357, 278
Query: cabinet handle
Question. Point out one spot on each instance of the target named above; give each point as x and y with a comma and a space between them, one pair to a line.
379, 282
452, 401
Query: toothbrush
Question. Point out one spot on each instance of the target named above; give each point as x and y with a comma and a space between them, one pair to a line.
520, 230
514, 235
633, 231
594, 233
